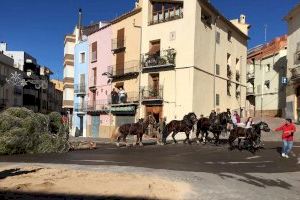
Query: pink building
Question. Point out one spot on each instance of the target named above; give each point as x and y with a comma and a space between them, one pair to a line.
99, 120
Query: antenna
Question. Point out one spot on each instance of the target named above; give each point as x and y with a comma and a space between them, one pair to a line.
266, 28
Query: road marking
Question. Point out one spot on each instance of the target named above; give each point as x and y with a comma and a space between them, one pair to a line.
234, 163
253, 157
97, 161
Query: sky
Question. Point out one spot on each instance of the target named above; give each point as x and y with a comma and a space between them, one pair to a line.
39, 26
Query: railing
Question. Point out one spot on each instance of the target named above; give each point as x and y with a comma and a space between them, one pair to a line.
150, 93
124, 68
99, 105
117, 44
93, 82
129, 97
250, 75
79, 89
166, 58
166, 15
80, 107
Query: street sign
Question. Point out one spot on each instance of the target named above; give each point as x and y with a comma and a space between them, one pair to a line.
284, 80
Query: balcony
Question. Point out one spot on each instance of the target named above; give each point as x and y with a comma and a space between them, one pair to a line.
166, 15
295, 74
79, 90
166, 59
152, 95
125, 105
250, 76
126, 69
93, 84
117, 45
98, 106
80, 108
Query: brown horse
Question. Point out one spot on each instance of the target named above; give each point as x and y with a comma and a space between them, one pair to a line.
176, 126
250, 135
203, 126
137, 129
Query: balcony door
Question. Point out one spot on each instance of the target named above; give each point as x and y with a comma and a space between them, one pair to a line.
154, 48
154, 84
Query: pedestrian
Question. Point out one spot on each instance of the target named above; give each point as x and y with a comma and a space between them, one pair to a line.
162, 126
288, 129
122, 95
249, 122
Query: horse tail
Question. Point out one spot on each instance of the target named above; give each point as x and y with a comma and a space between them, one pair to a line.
115, 134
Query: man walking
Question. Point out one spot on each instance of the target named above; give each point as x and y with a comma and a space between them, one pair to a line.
288, 129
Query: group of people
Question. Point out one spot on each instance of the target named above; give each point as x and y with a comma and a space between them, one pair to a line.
119, 96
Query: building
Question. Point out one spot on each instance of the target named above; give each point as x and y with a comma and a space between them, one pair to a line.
99, 122
293, 57
10, 95
190, 64
267, 66
81, 60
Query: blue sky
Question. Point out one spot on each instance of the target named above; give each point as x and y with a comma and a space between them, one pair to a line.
38, 26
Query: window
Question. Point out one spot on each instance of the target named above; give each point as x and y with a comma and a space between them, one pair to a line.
217, 99
154, 47
268, 68
165, 11
218, 37
82, 57
217, 69
206, 18
229, 36
94, 52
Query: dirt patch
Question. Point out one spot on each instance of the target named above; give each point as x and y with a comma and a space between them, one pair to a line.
75, 182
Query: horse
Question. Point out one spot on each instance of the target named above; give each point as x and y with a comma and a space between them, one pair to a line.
250, 135
203, 126
137, 129
219, 124
176, 126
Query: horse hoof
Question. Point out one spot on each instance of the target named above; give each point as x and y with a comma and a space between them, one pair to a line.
141, 144
198, 142
127, 145
134, 144
118, 145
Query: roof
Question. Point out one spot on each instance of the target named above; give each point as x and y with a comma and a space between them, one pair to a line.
118, 19
223, 18
292, 12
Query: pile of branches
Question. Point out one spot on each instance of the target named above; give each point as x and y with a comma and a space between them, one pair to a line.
23, 131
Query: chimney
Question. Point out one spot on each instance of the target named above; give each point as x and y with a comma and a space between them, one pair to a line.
80, 24
242, 19
3, 46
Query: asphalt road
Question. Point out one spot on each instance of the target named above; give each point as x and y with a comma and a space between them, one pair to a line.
222, 174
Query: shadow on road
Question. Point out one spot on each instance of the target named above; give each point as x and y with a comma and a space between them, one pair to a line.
33, 196
15, 172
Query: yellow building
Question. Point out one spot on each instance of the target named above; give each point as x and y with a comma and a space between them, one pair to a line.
194, 59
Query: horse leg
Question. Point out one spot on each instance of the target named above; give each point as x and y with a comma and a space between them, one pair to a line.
204, 137
187, 137
173, 136
125, 141
141, 138
217, 136
197, 136
137, 141
118, 141
239, 144
231, 142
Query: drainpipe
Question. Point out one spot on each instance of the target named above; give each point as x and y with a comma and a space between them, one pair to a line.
140, 68
215, 62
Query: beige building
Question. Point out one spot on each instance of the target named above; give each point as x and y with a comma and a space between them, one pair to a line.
293, 57
267, 65
10, 95
194, 59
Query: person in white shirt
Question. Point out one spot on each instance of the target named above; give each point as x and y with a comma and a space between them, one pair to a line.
249, 122
122, 95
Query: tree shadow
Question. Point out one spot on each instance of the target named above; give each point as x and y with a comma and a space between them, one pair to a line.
258, 181
15, 172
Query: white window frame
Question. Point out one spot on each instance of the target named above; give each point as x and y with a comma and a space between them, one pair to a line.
80, 60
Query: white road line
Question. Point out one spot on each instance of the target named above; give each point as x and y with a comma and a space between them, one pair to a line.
253, 157
234, 163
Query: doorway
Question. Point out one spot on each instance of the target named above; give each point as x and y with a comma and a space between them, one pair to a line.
155, 111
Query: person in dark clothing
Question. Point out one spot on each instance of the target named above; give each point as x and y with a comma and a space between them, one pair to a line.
114, 96
212, 116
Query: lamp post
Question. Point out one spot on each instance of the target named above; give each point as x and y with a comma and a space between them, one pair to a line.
109, 77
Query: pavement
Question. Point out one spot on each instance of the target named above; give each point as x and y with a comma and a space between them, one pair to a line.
213, 172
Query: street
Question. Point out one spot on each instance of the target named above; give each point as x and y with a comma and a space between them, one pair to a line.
213, 172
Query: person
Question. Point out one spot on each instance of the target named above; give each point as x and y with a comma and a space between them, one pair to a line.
235, 118
212, 115
249, 122
288, 129
122, 95
114, 96
162, 125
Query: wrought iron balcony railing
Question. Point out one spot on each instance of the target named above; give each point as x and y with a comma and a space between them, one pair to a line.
99, 105
122, 69
117, 44
152, 94
165, 59
166, 15
127, 98
79, 89
80, 107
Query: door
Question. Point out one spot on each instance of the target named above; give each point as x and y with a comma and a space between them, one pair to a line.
95, 126
120, 38
81, 126
155, 111
120, 59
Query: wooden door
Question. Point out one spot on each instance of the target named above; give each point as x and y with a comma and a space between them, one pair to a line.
120, 38
120, 59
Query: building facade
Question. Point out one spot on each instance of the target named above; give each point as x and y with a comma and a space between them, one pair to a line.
293, 57
204, 72
267, 66
10, 95
81, 60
